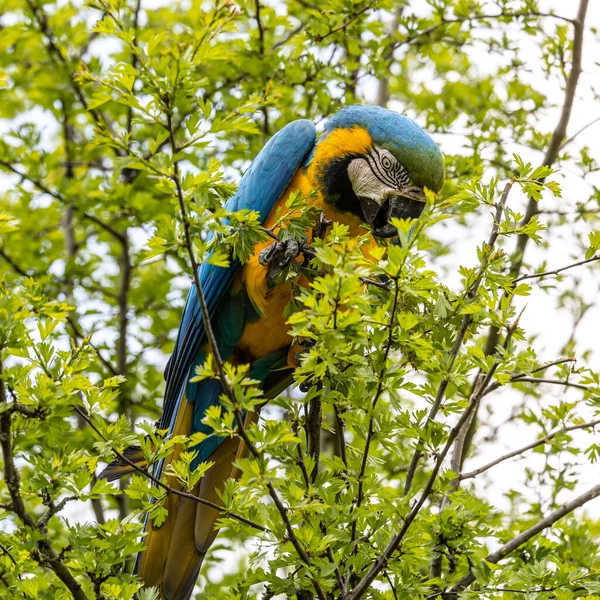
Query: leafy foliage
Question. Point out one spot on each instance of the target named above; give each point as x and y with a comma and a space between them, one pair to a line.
125, 128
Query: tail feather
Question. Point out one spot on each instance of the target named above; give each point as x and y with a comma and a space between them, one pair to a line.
120, 468
183, 561
150, 564
211, 484
175, 551
194, 530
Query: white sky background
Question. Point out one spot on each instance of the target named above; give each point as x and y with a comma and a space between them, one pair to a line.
542, 317
552, 326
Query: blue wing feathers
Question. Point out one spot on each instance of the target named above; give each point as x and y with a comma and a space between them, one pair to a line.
260, 188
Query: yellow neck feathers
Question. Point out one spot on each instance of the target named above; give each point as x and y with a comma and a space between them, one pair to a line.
338, 144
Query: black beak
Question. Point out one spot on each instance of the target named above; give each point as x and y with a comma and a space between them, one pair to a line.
399, 207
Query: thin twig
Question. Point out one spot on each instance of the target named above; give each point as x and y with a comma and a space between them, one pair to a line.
80, 334
12, 558
502, 15
480, 384
307, 482
379, 391
58, 196
479, 387
13, 265
289, 36
520, 377
383, 90
389, 579
544, 440
579, 386
554, 363
133, 58
261, 32
348, 22
556, 271
560, 132
466, 322
339, 429
123, 304
379, 284
550, 157
579, 132
313, 423
55, 52
163, 485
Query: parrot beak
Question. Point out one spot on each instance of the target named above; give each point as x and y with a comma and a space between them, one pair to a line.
406, 205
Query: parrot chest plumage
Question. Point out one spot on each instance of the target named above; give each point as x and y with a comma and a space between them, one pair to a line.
269, 333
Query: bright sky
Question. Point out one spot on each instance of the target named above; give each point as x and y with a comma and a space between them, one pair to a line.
542, 317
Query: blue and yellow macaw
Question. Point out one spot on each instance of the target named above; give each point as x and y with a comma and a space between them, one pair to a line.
369, 165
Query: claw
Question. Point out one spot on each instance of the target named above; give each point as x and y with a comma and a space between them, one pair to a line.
278, 256
266, 256
290, 252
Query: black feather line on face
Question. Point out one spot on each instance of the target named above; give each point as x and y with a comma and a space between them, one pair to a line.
337, 187
395, 176
379, 173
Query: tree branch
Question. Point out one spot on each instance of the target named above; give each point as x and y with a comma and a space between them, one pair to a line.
381, 561
313, 422
58, 196
56, 53
220, 364
556, 271
80, 334
13, 484
12, 264
162, 485
544, 440
122, 299
579, 132
522, 538
550, 157
502, 15
370, 431
467, 319
348, 22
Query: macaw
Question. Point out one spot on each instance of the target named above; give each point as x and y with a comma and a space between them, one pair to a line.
368, 165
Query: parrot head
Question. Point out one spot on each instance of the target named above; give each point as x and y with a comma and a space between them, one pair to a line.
376, 163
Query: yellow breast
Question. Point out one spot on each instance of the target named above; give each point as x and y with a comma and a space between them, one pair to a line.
270, 333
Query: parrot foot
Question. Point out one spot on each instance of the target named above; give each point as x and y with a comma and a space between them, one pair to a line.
320, 228
278, 256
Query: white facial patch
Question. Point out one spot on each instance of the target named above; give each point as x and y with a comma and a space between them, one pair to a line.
365, 182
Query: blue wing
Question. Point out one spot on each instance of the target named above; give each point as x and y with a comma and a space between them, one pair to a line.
260, 188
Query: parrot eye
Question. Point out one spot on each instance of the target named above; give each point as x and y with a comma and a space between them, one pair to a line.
386, 168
